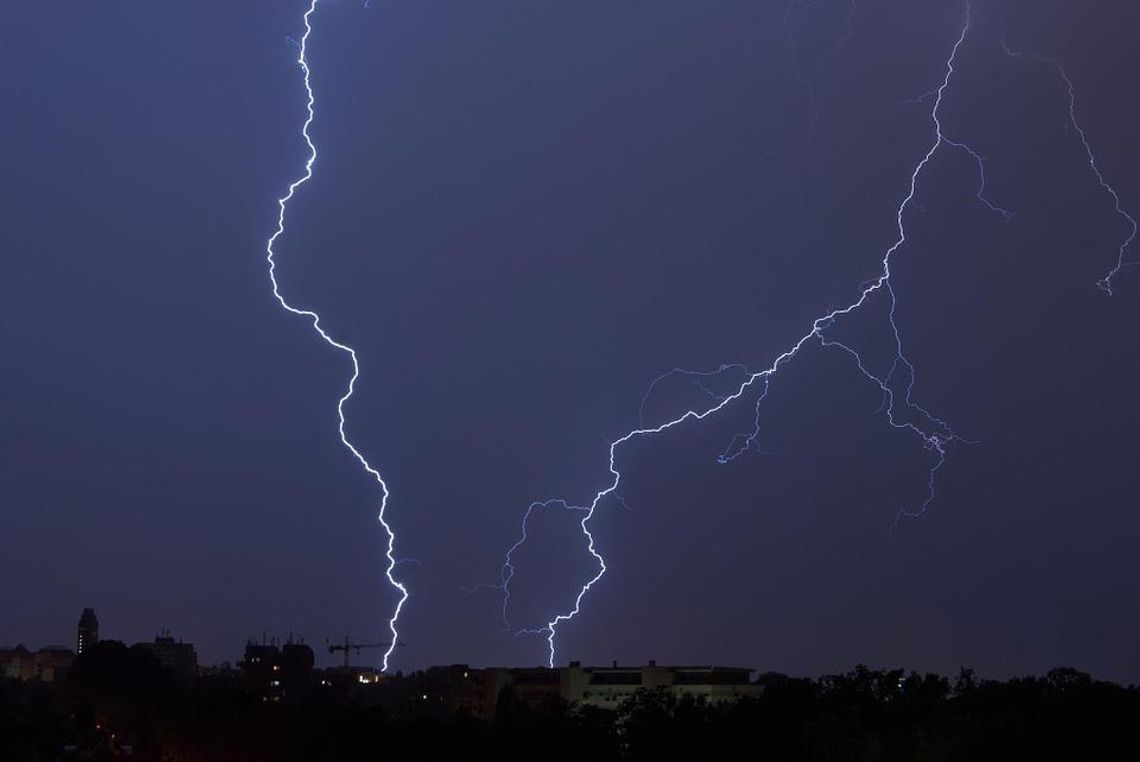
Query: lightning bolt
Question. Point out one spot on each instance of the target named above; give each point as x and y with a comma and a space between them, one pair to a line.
897, 384
1122, 261
507, 573
282, 203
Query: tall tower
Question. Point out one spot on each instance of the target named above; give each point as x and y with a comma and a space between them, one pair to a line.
88, 630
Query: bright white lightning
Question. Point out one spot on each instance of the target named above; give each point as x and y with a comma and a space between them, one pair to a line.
316, 320
935, 434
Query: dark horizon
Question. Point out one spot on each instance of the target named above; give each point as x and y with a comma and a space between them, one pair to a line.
520, 216
137, 702
359, 661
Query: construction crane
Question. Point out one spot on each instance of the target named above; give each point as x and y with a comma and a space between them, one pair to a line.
348, 646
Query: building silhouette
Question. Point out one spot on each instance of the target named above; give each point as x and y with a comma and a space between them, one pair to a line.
88, 630
175, 656
608, 687
477, 691
53, 663
50, 664
275, 671
17, 663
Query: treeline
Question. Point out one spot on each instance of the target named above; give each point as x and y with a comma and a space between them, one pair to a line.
119, 700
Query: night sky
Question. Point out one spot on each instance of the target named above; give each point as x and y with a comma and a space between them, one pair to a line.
522, 213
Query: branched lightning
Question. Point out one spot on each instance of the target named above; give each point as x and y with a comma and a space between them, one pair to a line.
1006, 214
282, 202
507, 573
897, 384
1122, 260
697, 377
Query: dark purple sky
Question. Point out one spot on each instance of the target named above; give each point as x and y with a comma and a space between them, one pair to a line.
522, 213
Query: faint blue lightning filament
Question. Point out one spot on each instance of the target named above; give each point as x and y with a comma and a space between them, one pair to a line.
1122, 260
507, 573
316, 321
934, 434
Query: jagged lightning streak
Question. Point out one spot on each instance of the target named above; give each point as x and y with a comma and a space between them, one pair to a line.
1122, 261
697, 377
934, 434
508, 570
282, 202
